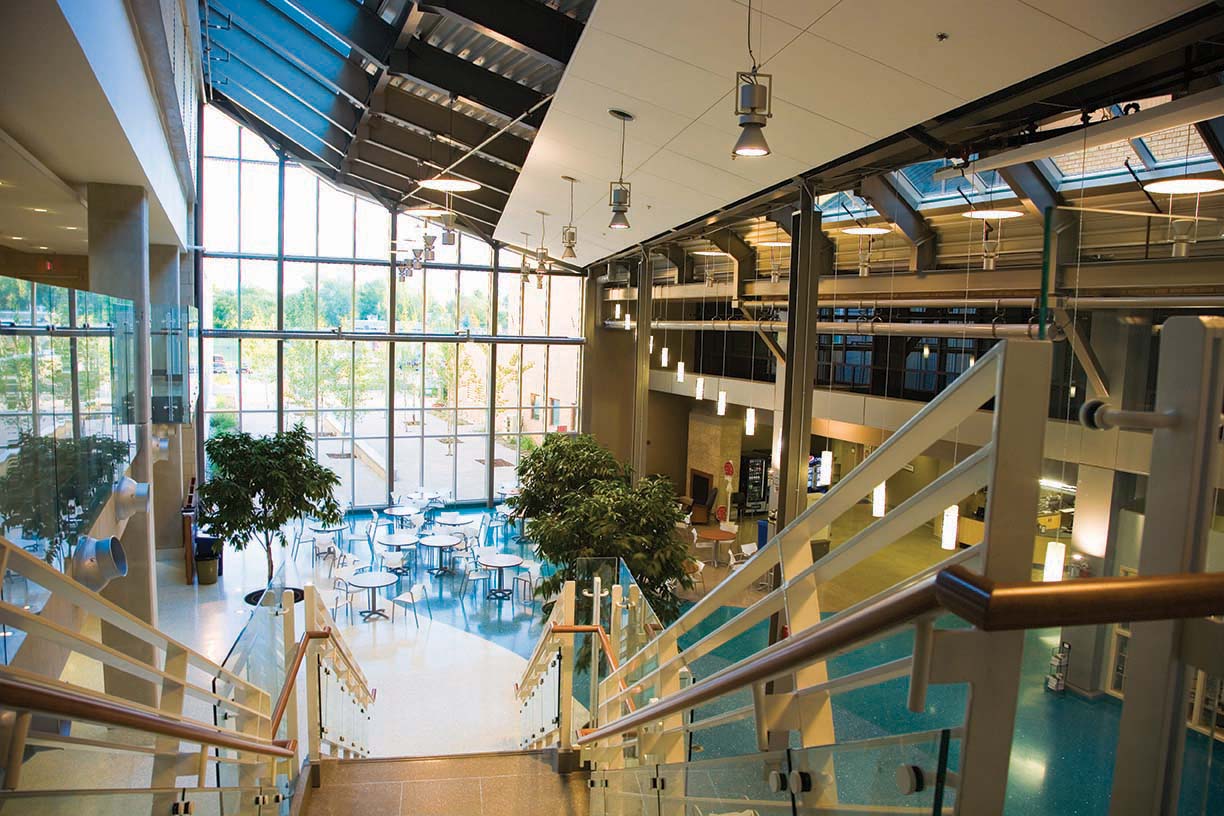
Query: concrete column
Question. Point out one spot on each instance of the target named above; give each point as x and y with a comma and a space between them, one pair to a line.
119, 266
641, 367
607, 378
1122, 344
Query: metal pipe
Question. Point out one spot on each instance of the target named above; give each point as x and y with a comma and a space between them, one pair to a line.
384, 337
865, 327
1086, 302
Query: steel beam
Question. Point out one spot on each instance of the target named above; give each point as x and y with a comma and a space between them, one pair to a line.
429, 153
811, 257
1083, 354
888, 201
1032, 187
476, 218
641, 373
412, 171
454, 75
415, 111
745, 258
280, 33
781, 217
357, 26
1212, 134
307, 147
526, 26
279, 69
234, 73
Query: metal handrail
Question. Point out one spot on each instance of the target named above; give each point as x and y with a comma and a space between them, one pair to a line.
27, 696
282, 702
984, 603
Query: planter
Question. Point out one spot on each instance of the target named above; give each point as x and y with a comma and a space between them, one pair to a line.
206, 571
262, 597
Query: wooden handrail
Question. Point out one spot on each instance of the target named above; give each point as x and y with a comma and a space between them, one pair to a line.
282, 702
26, 696
986, 604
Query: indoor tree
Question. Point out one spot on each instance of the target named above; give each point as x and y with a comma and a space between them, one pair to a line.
580, 503
258, 484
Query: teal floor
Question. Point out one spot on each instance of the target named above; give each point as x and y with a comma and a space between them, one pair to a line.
1063, 745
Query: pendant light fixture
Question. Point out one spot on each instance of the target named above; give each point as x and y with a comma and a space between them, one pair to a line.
664, 353
542, 264
524, 261
620, 191
569, 233
753, 95
824, 477
1189, 185
447, 181
616, 312
722, 392
679, 371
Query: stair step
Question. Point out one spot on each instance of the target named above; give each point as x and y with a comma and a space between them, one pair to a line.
485, 784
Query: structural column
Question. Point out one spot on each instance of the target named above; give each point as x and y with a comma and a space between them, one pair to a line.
811, 256
119, 266
641, 368
169, 368
608, 372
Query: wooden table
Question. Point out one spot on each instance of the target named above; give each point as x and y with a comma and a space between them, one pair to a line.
373, 581
717, 535
439, 544
499, 561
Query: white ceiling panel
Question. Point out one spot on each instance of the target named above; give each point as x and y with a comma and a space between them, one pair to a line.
988, 40
1112, 20
715, 40
845, 75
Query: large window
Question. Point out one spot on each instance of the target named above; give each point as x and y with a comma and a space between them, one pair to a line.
283, 333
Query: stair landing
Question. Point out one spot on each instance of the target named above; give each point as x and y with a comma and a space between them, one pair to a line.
517, 783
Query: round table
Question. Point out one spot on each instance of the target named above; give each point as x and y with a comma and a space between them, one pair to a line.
717, 535
402, 511
508, 490
373, 581
397, 541
499, 561
439, 544
320, 527
421, 496
452, 520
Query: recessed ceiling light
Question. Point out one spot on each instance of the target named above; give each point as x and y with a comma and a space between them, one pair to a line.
710, 253
1185, 186
450, 184
866, 230
774, 243
992, 215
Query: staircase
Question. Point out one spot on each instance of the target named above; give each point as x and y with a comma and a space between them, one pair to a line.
494, 784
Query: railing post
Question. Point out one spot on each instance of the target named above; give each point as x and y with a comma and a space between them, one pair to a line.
170, 702
565, 712
1179, 508
288, 622
615, 633
1015, 468
312, 678
596, 604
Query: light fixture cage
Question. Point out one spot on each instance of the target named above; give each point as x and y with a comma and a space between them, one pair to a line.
620, 195
569, 240
753, 97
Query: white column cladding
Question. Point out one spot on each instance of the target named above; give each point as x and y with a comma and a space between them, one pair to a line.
119, 266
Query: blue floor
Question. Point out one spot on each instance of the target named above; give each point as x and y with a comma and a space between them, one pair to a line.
1062, 759
510, 624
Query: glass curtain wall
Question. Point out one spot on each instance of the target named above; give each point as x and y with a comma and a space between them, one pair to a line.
387, 415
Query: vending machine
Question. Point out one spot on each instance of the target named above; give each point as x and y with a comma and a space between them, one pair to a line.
754, 481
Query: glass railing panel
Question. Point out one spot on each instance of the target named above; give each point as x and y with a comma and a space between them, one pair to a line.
103, 802
731, 785
1202, 780
631, 792
539, 711
894, 774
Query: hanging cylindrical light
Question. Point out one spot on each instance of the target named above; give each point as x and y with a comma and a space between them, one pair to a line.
628, 321
1055, 561
651, 344
749, 421
569, 233
824, 476
753, 92
951, 519
722, 403
926, 351
620, 191
699, 389
877, 501
663, 356
679, 371
616, 311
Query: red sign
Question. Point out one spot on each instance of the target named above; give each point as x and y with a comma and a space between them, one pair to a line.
721, 512
728, 468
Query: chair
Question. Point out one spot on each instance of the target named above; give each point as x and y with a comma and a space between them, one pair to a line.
700, 544
702, 512
746, 551
371, 530
475, 573
693, 568
324, 547
344, 591
410, 597
525, 583
394, 562
498, 524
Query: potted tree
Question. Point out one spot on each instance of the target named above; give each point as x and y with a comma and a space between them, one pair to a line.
258, 484
581, 503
